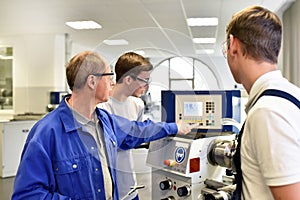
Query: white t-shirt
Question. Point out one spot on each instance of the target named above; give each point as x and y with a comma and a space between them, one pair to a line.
271, 140
132, 109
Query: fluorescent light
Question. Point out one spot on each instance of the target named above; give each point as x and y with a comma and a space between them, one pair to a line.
140, 52
116, 42
205, 51
204, 40
84, 25
210, 21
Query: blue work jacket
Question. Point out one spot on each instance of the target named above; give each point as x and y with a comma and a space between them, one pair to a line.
60, 159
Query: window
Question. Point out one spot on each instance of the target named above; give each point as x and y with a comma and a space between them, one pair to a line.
6, 88
179, 73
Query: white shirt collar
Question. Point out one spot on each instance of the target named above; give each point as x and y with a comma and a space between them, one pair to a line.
260, 85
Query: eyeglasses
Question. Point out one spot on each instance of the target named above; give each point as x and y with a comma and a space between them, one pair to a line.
147, 81
225, 47
226, 44
105, 74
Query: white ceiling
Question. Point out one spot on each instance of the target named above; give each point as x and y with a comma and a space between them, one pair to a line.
155, 26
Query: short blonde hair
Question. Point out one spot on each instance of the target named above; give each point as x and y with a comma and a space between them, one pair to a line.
81, 66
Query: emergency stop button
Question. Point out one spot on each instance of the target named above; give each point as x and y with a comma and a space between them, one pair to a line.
170, 162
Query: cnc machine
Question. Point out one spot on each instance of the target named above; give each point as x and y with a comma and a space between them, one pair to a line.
194, 166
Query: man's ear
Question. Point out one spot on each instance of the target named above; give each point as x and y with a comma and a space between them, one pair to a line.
91, 82
233, 45
127, 80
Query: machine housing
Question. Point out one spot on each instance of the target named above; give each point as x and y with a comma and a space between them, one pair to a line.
182, 165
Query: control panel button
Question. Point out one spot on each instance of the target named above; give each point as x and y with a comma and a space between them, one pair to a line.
170, 163
184, 191
165, 185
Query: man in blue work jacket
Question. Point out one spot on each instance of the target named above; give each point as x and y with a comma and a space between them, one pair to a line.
71, 152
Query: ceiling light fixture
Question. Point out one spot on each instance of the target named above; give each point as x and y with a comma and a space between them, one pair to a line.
205, 51
204, 40
80, 25
116, 42
140, 52
208, 21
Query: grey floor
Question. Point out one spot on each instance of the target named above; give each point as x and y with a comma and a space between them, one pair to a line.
6, 187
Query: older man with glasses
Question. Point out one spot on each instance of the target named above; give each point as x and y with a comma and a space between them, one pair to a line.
71, 152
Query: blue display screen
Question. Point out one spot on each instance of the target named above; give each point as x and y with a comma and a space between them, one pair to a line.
193, 109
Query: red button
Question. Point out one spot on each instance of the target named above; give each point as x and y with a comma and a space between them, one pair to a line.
170, 163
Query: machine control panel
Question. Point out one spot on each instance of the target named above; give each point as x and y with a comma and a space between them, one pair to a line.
205, 111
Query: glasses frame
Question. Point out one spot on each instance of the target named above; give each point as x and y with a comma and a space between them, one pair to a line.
103, 74
147, 81
225, 46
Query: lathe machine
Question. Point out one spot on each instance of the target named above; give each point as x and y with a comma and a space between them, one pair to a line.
194, 166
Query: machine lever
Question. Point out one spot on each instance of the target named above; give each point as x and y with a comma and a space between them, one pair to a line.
169, 198
133, 189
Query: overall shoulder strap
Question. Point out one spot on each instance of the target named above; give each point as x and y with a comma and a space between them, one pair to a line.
282, 94
237, 156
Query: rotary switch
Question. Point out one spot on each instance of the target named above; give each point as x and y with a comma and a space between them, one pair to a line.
165, 185
184, 191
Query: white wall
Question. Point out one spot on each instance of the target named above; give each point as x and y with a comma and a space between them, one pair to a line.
38, 67
291, 43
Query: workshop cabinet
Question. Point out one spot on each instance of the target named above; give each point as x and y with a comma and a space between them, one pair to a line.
12, 139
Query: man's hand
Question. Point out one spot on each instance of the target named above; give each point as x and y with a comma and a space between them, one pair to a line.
183, 128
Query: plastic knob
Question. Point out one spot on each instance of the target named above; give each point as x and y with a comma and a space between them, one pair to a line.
165, 185
184, 191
